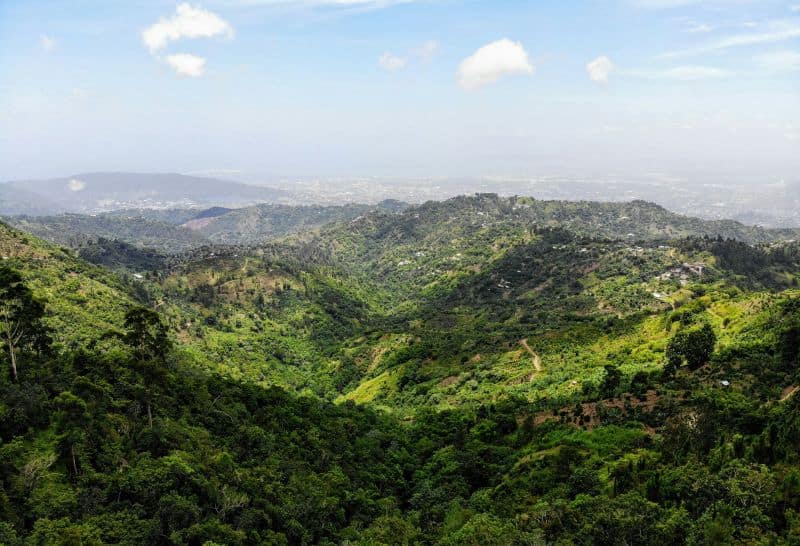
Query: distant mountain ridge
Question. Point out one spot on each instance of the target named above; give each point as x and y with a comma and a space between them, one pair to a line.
17, 201
107, 191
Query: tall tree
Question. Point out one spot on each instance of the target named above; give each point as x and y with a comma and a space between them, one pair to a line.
20, 317
72, 419
147, 337
694, 345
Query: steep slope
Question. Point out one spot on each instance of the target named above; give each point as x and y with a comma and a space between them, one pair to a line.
269, 315
81, 299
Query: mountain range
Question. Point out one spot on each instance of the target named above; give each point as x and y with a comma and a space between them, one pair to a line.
105, 191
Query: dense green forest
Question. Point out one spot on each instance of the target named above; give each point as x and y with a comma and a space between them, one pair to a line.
178, 230
174, 231
481, 371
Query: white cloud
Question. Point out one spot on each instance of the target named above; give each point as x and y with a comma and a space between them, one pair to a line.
599, 69
188, 22
779, 61
76, 185
427, 50
492, 62
391, 62
682, 73
795, 8
48, 43
779, 31
186, 64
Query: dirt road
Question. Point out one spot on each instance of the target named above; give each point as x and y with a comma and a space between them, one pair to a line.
537, 360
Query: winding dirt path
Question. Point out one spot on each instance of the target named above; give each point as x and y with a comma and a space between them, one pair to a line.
537, 360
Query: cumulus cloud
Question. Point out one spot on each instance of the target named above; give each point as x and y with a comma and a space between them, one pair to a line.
392, 63
492, 62
76, 185
47, 43
599, 69
186, 64
188, 22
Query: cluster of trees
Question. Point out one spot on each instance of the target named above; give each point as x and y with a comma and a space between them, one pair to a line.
756, 263
78, 230
21, 327
125, 442
693, 346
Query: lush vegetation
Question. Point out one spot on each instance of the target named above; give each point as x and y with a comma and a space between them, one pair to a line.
170, 231
457, 373
259, 223
177, 230
76, 230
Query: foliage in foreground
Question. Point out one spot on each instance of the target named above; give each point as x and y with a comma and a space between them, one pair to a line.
125, 443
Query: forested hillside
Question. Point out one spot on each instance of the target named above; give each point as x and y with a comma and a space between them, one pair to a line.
481, 371
377, 228
74, 230
170, 231
260, 223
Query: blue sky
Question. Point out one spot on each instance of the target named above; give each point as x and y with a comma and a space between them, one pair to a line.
401, 88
